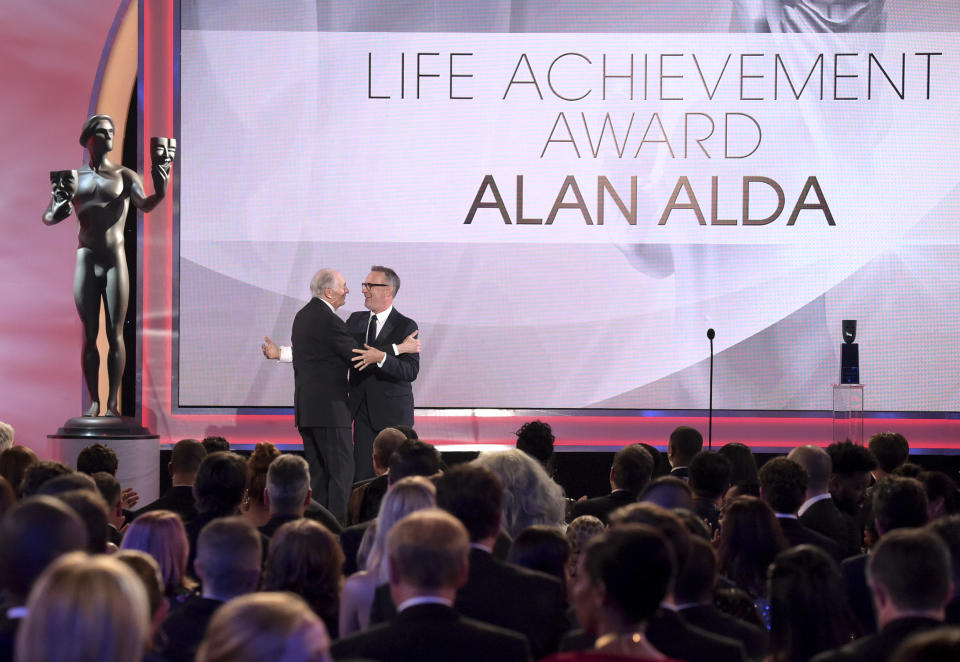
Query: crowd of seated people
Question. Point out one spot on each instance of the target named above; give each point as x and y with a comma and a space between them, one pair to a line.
824, 554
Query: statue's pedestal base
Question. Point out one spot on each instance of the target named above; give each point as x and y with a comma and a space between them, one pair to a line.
138, 452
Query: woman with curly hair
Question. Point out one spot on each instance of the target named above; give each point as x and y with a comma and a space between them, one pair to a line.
530, 496
253, 508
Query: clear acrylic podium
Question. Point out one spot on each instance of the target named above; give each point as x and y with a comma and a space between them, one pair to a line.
848, 413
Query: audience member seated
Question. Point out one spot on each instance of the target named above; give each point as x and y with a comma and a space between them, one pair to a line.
38, 473
694, 596
579, 532
891, 450
92, 509
629, 475
623, 577
216, 444
260, 627
160, 533
254, 507
896, 503
530, 496
404, 497
668, 492
14, 462
750, 539
808, 609
541, 548
287, 494
535, 438
943, 498
228, 565
744, 477
8, 497
184, 462
783, 484
695, 525
68, 482
661, 465
109, 489
217, 491
850, 478
411, 458
365, 497
818, 511
938, 645
148, 572
948, 528
908, 470
910, 582
33, 534
305, 558
684, 443
709, 478
85, 608
427, 555
99, 457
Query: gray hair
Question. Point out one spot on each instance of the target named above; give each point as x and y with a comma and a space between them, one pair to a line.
392, 278
322, 280
288, 481
6, 436
530, 496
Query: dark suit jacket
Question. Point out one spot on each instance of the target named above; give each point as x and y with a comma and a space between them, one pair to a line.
709, 618
529, 602
601, 507
179, 499
797, 534
825, 518
322, 350
387, 390
854, 572
350, 539
365, 498
680, 472
673, 636
423, 633
185, 627
881, 646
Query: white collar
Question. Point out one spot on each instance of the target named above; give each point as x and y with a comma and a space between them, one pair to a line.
383, 314
812, 500
423, 600
786, 516
329, 305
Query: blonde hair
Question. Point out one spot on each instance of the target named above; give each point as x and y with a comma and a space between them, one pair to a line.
279, 627
160, 533
85, 609
405, 496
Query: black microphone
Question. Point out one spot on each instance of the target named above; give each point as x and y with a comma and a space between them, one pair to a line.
710, 335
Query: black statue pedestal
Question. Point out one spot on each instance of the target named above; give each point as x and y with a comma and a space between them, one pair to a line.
102, 427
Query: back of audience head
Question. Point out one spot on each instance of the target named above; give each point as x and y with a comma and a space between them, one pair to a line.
386, 442
909, 570
898, 503
685, 442
743, 465
626, 571
890, 450
288, 485
306, 559
535, 438
414, 458
109, 489
32, 535
850, 477
161, 534
39, 473
943, 498
474, 495
808, 608
709, 475
750, 539
580, 531
257, 466
695, 583
908, 470
428, 551
783, 484
85, 608
696, 526
13, 464
661, 519
92, 509
816, 462
543, 548
221, 481
938, 645
6, 436
668, 492
8, 497
216, 444
265, 626
407, 431
948, 528
632, 468
228, 558
661, 465
97, 457
148, 572
402, 498
530, 496
185, 459
67, 483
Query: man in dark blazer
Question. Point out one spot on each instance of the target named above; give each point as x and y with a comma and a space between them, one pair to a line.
630, 473
428, 554
684, 443
184, 461
819, 512
783, 484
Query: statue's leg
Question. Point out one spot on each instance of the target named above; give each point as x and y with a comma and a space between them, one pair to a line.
86, 295
117, 295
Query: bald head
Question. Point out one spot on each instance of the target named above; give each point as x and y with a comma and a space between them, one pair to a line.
816, 462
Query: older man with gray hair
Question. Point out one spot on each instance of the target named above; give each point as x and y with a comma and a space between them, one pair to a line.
818, 512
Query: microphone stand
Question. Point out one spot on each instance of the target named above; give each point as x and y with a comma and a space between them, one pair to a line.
710, 335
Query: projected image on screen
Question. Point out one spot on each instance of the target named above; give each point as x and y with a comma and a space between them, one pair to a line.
572, 193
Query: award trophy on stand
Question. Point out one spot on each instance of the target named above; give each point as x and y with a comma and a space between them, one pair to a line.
848, 394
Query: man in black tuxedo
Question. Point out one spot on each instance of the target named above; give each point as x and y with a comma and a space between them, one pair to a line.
819, 512
428, 553
684, 443
184, 462
783, 484
630, 473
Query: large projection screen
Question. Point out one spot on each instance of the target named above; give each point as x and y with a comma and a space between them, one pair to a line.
573, 192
